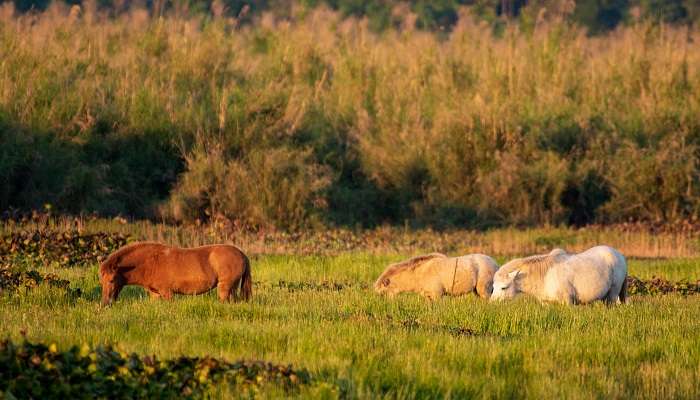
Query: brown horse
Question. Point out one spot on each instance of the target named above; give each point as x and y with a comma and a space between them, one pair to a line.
164, 270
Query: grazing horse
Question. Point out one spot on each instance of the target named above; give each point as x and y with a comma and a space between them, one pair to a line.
433, 275
599, 273
164, 270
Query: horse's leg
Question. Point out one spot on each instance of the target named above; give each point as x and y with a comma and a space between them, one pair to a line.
224, 289
566, 298
166, 294
484, 288
154, 294
567, 294
622, 296
432, 295
432, 291
613, 295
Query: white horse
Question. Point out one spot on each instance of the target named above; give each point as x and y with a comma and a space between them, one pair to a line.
599, 273
433, 275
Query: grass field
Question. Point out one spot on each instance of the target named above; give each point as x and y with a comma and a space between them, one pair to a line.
318, 313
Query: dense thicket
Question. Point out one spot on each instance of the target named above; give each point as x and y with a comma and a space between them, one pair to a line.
319, 119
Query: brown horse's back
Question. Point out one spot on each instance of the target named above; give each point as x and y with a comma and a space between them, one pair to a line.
225, 260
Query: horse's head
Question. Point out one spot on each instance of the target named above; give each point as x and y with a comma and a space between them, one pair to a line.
393, 284
401, 276
505, 285
112, 280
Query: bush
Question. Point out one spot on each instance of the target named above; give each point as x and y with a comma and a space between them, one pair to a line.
276, 187
655, 184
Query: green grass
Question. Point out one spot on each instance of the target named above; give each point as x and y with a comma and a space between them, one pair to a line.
371, 347
677, 269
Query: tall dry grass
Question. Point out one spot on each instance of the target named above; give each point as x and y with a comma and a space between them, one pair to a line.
316, 118
385, 240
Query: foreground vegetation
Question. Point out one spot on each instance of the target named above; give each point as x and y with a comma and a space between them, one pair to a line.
314, 119
317, 312
365, 346
29, 370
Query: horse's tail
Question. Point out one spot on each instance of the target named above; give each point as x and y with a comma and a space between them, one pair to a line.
623, 291
486, 269
246, 290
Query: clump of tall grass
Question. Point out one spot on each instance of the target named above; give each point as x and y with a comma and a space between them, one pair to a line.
315, 117
273, 185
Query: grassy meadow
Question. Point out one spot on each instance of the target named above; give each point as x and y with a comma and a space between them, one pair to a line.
318, 312
327, 149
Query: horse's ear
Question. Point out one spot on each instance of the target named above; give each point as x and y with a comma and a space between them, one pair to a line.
107, 266
558, 252
514, 274
113, 266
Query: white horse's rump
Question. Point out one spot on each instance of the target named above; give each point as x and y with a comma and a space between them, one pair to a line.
596, 274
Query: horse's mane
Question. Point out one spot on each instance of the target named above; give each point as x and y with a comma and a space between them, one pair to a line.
535, 266
114, 258
410, 264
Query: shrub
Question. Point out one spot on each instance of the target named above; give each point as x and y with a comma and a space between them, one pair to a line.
276, 187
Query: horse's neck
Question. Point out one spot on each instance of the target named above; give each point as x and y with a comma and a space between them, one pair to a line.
532, 283
411, 280
140, 273
533, 286
133, 277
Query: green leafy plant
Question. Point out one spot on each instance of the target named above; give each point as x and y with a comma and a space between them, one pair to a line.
657, 286
316, 286
19, 281
35, 370
62, 248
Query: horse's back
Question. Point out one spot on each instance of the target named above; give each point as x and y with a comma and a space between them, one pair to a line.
485, 263
478, 262
226, 259
606, 254
210, 262
606, 257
